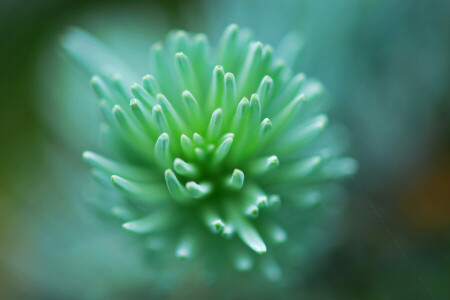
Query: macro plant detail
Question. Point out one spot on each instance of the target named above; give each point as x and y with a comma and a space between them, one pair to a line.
213, 143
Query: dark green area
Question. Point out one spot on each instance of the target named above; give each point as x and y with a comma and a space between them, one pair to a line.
388, 67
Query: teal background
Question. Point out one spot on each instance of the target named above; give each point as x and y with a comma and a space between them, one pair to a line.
386, 65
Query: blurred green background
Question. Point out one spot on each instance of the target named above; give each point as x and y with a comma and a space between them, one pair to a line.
385, 62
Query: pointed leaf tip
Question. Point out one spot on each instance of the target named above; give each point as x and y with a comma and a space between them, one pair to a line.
218, 225
252, 211
184, 168
197, 190
222, 151
248, 234
149, 224
215, 124
176, 189
236, 181
273, 161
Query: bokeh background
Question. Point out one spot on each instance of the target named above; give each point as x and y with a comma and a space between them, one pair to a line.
386, 64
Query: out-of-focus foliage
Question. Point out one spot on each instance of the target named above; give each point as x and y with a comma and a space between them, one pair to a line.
385, 62
225, 179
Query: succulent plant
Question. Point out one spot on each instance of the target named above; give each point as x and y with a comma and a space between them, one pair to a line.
212, 143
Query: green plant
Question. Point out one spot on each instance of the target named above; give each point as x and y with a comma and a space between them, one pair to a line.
203, 160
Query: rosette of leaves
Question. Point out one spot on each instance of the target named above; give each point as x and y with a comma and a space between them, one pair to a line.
216, 148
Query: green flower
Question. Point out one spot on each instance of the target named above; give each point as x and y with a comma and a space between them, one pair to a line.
210, 144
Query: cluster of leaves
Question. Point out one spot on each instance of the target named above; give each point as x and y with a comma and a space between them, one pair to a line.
203, 160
